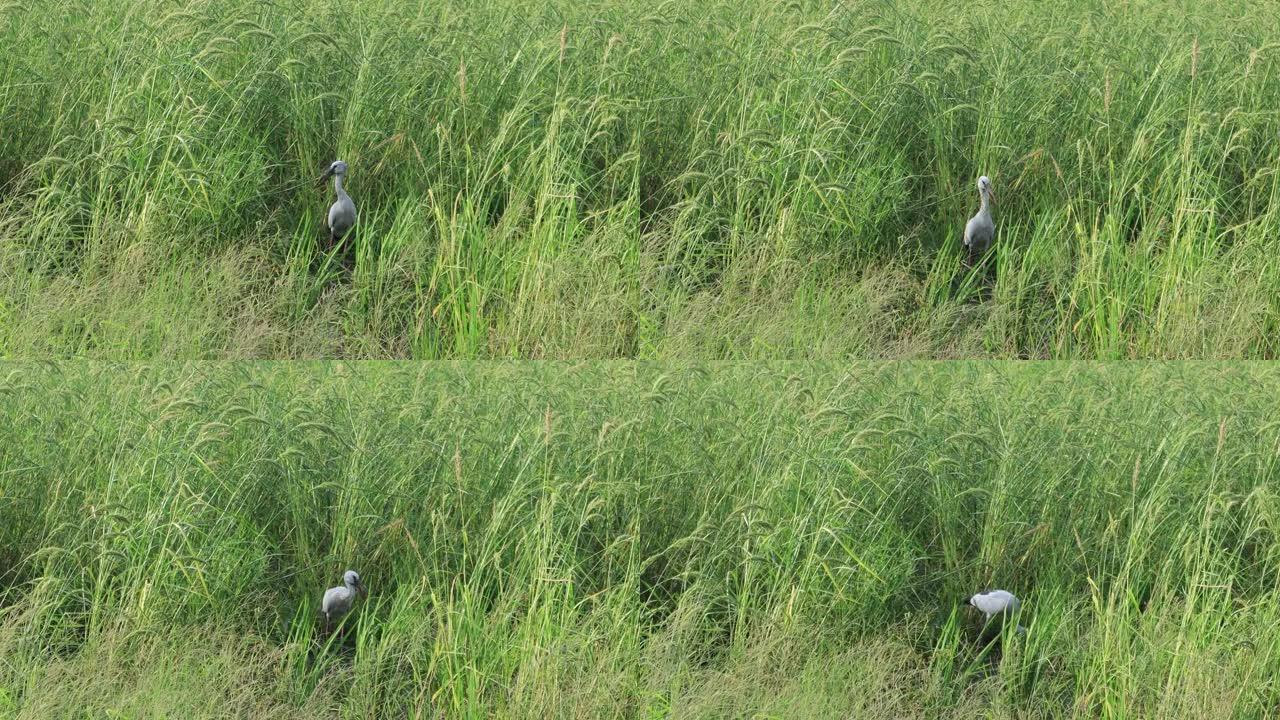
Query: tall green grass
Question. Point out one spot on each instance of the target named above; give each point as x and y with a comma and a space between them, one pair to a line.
626, 541
540, 178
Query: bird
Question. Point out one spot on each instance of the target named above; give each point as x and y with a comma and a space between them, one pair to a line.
342, 213
1000, 604
980, 230
338, 600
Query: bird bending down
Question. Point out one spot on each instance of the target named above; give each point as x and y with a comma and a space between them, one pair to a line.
1000, 604
981, 229
342, 213
338, 600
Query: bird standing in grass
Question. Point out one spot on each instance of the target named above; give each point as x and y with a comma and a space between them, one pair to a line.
338, 600
981, 229
342, 214
998, 604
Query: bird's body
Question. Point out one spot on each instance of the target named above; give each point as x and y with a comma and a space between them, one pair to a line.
342, 214
995, 602
338, 600
998, 604
981, 229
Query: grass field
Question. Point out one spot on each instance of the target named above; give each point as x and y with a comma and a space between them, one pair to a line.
722, 179
624, 541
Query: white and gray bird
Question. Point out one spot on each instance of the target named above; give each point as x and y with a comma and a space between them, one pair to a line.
342, 213
981, 229
1000, 604
338, 600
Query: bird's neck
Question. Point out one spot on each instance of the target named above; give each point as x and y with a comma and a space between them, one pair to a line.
337, 188
986, 202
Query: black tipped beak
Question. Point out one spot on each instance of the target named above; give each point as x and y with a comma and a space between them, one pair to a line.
321, 180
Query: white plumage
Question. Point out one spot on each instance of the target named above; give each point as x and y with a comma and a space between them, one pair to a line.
1000, 604
981, 229
338, 600
342, 214
995, 602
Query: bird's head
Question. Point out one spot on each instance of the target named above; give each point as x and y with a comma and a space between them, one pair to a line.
352, 580
984, 187
337, 167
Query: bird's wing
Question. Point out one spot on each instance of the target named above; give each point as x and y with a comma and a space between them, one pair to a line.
979, 232
341, 218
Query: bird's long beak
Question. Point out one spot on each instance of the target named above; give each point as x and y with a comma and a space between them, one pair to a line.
321, 180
